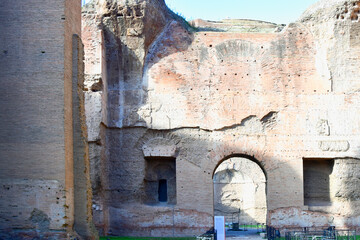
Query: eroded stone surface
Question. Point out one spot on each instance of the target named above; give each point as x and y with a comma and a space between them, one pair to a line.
279, 98
237, 25
42, 121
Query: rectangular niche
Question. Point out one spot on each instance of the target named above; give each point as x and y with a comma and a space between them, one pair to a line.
160, 181
316, 175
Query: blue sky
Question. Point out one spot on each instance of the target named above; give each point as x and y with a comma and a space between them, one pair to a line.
277, 11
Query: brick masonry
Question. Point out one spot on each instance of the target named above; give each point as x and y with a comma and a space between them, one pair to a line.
277, 96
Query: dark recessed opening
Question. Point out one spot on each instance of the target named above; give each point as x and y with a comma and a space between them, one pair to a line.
162, 190
317, 181
160, 180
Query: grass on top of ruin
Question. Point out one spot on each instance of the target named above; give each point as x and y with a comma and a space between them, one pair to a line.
147, 238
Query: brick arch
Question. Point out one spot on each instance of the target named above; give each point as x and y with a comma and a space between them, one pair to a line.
241, 155
255, 202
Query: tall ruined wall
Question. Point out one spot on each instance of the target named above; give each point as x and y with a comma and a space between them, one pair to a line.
201, 97
335, 27
41, 119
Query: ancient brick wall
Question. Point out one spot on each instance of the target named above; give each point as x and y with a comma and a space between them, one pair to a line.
41, 74
200, 97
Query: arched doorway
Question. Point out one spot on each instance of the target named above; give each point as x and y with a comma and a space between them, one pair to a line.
240, 192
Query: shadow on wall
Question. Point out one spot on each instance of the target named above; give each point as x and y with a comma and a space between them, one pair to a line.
128, 45
130, 179
332, 186
131, 49
125, 184
345, 188
124, 188
197, 156
317, 181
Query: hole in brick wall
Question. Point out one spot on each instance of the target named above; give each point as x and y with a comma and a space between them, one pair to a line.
162, 190
331, 180
316, 174
97, 86
354, 16
160, 180
138, 12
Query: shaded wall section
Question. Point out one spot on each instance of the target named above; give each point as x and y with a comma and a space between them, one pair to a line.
278, 97
36, 117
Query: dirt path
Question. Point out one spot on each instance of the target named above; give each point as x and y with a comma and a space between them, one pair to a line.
250, 234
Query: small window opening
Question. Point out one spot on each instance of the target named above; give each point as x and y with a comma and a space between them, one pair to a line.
317, 174
162, 190
160, 181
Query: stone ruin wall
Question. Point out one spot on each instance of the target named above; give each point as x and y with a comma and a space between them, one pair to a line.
160, 90
45, 190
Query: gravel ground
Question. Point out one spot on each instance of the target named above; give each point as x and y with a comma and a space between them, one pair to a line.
249, 234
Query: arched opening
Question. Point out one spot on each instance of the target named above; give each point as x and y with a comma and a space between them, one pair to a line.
240, 192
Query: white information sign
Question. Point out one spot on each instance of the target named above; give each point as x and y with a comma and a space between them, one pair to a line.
220, 227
